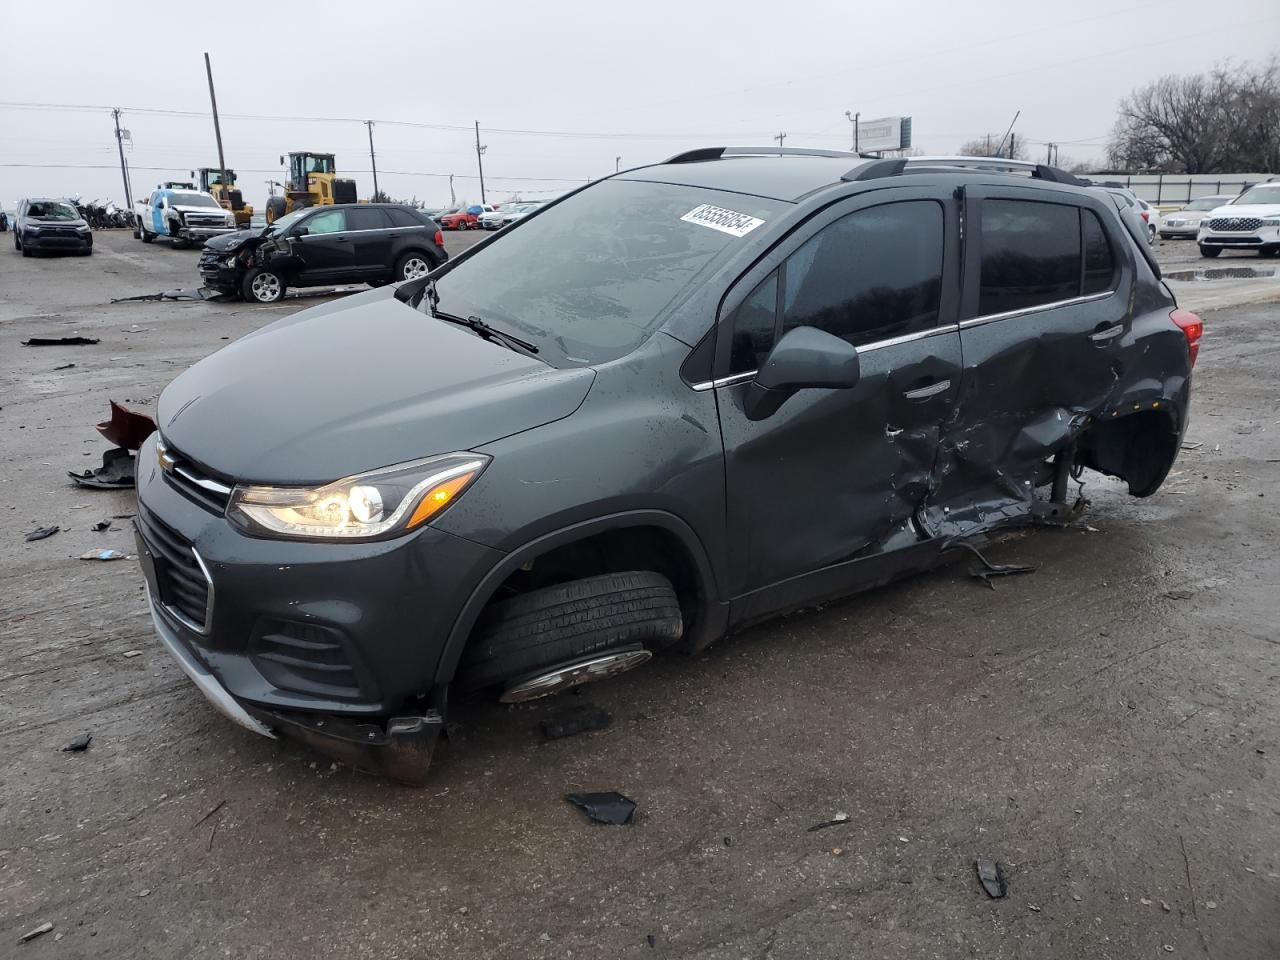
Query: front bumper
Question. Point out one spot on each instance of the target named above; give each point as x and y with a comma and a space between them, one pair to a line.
1183, 230
1242, 239
221, 273
203, 233
290, 633
44, 240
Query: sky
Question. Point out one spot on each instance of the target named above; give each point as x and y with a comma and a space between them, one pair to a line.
563, 88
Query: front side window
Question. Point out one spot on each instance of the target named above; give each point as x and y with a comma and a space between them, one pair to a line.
1030, 255
872, 275
330, 221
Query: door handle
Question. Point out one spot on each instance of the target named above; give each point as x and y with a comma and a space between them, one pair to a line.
930, 390
1104, 334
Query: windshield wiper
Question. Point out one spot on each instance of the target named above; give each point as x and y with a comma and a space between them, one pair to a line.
484, 331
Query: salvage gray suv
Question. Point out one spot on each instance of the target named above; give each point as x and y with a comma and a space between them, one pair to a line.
675, 401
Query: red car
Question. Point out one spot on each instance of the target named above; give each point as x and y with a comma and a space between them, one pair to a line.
465, 218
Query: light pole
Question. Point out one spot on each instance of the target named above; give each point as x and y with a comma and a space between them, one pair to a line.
480, 160
853, 118
617, 164
372, 160
780, 138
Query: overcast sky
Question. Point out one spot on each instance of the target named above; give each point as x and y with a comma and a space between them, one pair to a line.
587, 81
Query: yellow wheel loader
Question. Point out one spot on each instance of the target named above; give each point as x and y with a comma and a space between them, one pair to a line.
312, 182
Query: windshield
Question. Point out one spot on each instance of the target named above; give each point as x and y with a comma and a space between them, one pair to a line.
52, 211
1270, 193
588, 279
192, 200
288, 220
1205, 203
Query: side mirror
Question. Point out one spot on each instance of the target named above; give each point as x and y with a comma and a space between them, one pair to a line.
300, 231
282, 161
805, 357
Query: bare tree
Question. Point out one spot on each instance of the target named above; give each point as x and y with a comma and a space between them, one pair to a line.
989, 146
1226, 120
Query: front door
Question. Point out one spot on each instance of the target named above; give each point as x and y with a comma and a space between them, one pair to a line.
323, 250
1045, 324
837, 474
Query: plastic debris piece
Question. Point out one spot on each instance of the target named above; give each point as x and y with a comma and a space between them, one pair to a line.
102, 525
582, 718
989, 569
991, 876
127, 428
835, 821
65, 366
79, 744
39, 931
60, 342
116, 472
130, 654
42, 533
609, 807
179, 294
104, 555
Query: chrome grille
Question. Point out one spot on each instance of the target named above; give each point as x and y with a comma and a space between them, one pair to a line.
191, 480
1235, 223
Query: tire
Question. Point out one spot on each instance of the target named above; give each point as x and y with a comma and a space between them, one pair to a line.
1269, 252
275, 209
179, 243
1209, 252
1151, 236
17, 244
147, 235
26, 252
412, 265
557, 624
262, 286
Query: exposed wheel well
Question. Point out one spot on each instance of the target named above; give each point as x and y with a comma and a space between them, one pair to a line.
613, 551
1139, 448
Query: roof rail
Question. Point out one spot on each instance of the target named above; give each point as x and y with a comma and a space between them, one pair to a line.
716, 153
1037, 171
875, 169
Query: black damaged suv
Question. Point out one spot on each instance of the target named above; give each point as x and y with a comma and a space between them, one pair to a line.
675, 401
374, 243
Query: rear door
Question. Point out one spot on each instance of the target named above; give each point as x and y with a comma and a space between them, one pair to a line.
835, 474
371, 238
323, 248
1046, 318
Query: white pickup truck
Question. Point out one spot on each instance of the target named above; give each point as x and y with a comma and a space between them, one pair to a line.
186, 216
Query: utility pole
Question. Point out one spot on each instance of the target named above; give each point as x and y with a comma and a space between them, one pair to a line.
480, 160
124, 175
853, 118
617, 164
1006, 136
372, 160
780, 138
217, 132
453, 197
1013, 142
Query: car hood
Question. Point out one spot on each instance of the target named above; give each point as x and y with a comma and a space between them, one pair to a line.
42, 222
1248, 210
354, 385
186, 208
226, 242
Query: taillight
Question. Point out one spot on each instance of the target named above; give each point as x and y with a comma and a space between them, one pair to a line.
1146, 216
1192, 327
439, 238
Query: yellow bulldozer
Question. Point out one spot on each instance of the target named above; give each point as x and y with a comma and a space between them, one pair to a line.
228, 195
313, 182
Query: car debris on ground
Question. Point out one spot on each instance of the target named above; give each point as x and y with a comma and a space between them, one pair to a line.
835, 821
609, 807
39, 931
61, 342
991, 876
104, 555
989, 569
79, 744
200, 293
116, 473
42, 533
127, 428
571, 721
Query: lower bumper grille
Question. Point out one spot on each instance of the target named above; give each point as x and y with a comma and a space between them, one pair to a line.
183, 583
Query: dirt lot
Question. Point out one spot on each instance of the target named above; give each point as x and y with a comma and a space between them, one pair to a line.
1108, 728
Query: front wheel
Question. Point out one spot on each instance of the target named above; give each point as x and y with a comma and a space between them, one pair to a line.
263, 286
412, 266
541, 629
1209, 252
145, 235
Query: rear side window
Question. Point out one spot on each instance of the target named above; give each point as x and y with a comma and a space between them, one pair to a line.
365, 218
1030, 255
1099, 263
872, 275
401, 217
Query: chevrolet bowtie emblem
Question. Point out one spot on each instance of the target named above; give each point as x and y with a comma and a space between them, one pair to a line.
164, 457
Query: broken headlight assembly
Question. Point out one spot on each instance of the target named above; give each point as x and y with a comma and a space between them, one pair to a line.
368, 506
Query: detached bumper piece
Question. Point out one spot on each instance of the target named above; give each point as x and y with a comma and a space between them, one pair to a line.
400, 748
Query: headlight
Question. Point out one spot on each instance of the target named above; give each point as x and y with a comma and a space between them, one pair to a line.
1271, 222
84, 229
369, 506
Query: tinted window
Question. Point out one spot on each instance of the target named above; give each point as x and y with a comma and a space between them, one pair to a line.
400, 217
1030, 254
872, 275
364, 218
753, 327
589, 279
1099, 264
330, 221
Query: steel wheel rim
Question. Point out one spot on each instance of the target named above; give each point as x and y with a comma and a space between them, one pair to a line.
266, 287
415, 267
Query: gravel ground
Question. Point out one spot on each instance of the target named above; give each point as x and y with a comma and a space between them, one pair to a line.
1108, 728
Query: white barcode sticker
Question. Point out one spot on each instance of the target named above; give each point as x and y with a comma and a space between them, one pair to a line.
726, 221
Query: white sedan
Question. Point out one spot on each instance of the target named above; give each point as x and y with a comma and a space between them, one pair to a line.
1186, 222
